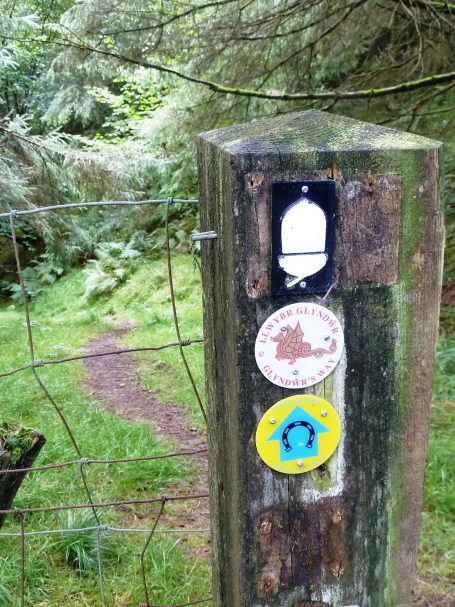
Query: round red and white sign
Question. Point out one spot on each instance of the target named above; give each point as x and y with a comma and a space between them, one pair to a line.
299, 345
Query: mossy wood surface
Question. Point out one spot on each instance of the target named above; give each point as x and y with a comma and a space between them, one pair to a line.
19, 447
347, 533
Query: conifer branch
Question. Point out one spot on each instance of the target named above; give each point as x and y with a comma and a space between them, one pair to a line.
402, 87
430, 81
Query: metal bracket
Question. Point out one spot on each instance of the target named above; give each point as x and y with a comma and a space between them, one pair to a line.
210, 235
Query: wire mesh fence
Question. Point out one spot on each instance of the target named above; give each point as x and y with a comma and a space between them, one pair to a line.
82, 460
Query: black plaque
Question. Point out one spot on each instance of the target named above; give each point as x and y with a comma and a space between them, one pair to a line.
284, 195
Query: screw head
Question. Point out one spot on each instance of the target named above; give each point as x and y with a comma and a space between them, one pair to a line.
295, 372
326, 337
324, 413
300, 463
283, 329
305, 189
272, 420
302, 284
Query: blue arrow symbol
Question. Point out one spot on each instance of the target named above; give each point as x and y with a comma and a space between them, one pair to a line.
298, 435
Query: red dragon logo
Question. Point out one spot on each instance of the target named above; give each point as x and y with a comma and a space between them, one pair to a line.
291, 346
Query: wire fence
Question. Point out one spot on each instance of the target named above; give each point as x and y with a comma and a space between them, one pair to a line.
82, 462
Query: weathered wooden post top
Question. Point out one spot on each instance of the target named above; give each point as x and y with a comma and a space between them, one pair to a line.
321, 299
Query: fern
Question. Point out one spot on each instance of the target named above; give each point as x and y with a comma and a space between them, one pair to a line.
113, 264
39, 275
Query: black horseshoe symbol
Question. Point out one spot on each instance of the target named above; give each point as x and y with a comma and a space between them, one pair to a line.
288, 428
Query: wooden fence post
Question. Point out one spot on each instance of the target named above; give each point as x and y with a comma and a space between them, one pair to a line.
346, 533
19, 448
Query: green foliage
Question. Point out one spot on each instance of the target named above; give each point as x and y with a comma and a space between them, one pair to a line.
40, 165
111, 267
139, 95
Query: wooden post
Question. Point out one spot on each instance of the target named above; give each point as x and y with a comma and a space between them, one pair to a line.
19, 448
345, 534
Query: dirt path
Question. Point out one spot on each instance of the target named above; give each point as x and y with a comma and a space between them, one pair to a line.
115, 383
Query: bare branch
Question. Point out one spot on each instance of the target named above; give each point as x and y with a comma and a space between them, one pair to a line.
171, 19
442, 7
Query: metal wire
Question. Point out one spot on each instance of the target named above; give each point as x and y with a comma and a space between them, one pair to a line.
144, 550
100, 565
106, 528
82, 462
121, 460
58, 361
114, 503
324, 297
22, 534
174, 313
106, 203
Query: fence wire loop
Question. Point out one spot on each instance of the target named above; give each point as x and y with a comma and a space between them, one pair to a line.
17, 514
82, 462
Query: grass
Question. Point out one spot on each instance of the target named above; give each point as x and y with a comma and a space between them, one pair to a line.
61, 569
437, 545
63, 322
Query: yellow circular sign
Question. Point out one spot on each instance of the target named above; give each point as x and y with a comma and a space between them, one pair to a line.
298, 434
